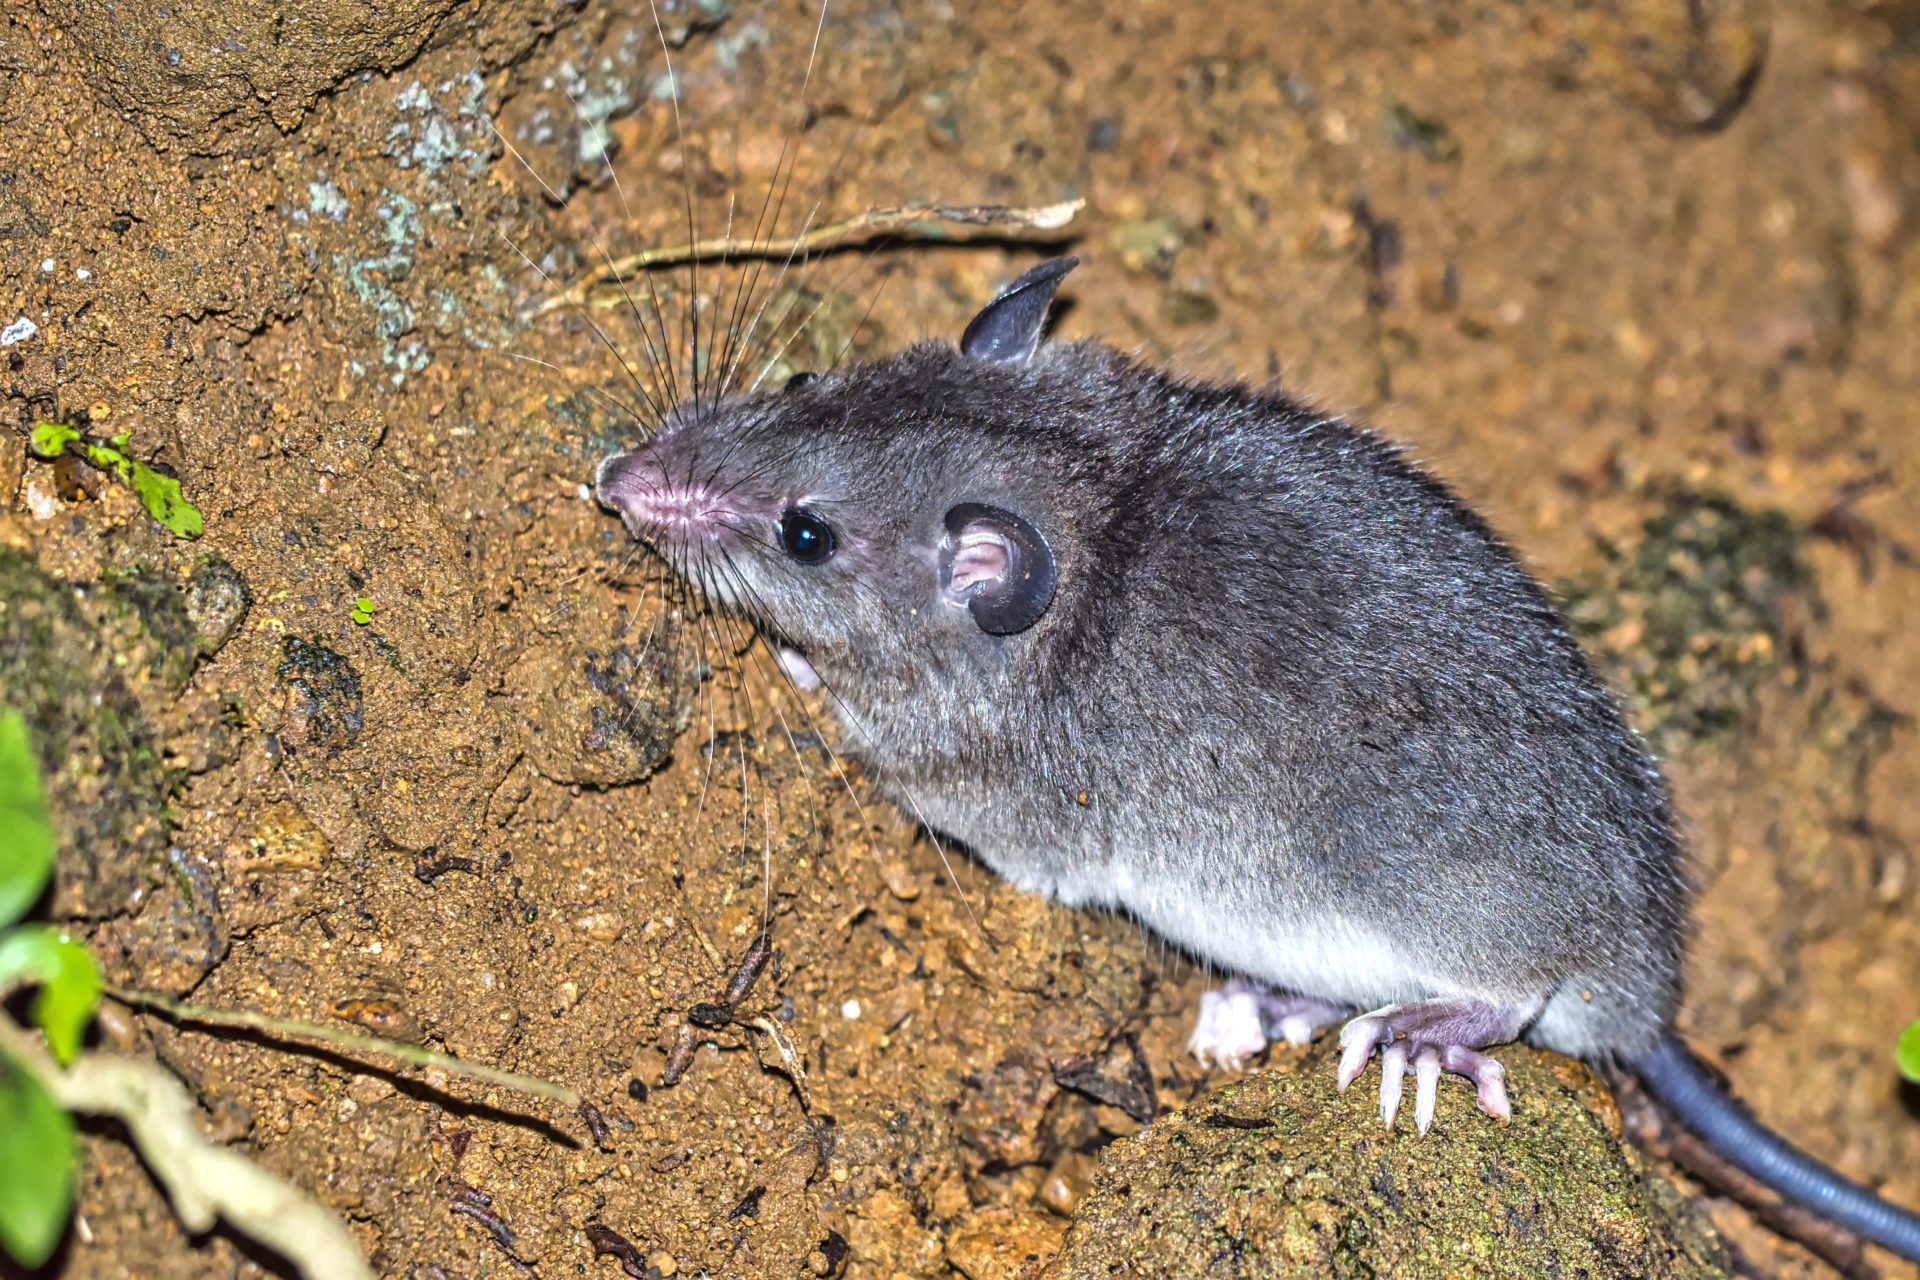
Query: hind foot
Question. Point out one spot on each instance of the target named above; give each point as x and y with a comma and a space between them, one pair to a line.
1238, 1020
1425, 1039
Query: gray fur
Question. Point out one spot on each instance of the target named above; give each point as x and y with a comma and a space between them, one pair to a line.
1293, 705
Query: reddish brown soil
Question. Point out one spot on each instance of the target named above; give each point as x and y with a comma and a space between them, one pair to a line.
1566, 255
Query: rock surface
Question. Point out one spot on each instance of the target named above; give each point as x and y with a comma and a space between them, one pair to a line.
89, 665
203, 73
1278, 1175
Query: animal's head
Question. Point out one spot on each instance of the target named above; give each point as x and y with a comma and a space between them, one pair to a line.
903, 523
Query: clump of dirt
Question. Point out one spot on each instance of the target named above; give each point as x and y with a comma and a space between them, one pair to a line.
603, 702
1693, 616
327, 690
1276, 1175
524, 805
217, 602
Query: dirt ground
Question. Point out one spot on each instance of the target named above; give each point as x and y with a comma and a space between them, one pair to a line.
1639, 277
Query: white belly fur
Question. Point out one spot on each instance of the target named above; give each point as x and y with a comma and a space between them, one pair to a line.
1314, 953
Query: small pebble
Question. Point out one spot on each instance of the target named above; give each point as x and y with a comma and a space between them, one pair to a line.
1065, 1185
601, 926
43, 501
900, 880
662, 1261
850, 1010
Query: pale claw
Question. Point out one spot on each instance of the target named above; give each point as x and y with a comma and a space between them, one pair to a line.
1434, 1034
1358, 1040
1237, 1020
1426, 1088
1489, 1080
1353, 1060
1393, 1076
1493, 1098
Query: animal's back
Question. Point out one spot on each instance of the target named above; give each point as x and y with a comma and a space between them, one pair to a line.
1304, 669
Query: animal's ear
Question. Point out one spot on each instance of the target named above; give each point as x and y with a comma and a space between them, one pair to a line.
998, 565
1008, 329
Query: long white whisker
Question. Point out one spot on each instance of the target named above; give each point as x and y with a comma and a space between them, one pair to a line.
586, 388
600, 333
654, 357
693, 229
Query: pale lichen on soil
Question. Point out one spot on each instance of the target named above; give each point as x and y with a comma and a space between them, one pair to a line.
1639, 277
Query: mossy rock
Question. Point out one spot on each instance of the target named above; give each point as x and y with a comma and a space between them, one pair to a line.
92, 667
326, 694
1691, 615
1278, 1175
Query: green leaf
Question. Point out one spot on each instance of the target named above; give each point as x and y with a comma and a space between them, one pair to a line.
1907, 1052
49, 439
69, 982
26, 833
36, 1167
159, 494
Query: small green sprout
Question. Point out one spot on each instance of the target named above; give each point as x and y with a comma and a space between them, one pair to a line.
362, 610
1906, 1053
160, 494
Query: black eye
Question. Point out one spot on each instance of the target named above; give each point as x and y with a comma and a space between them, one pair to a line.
806, 537
799, 380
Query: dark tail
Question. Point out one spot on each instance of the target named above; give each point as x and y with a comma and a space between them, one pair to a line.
1674, 1076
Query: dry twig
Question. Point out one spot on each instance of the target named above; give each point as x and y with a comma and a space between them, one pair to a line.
409, 1053
918, 221
790, 1064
